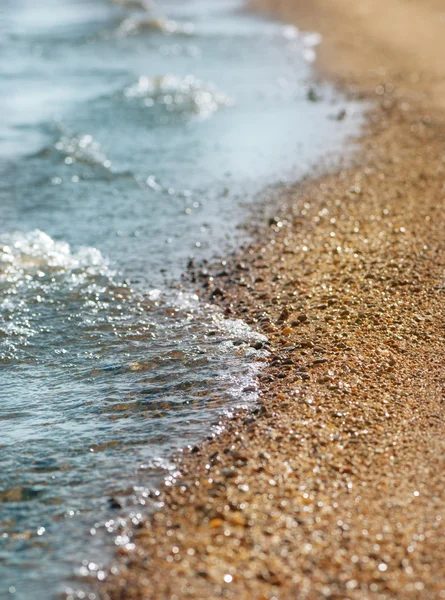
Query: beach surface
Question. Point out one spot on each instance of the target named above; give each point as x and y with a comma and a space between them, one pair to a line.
333, 486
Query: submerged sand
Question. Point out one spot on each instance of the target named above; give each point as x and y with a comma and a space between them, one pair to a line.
334, 486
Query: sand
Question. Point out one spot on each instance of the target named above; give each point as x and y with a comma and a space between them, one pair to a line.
333, 487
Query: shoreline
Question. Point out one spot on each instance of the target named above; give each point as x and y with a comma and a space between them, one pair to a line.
333, 486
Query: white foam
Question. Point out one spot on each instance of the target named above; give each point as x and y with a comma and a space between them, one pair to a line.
154, 295
313, 39
182, 94
36, 272
239, 329
310, 42
290, 32
82, 148
35, 251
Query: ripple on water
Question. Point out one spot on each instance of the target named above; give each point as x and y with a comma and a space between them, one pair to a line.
186, 95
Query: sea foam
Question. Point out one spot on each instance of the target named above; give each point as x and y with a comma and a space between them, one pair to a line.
179, 94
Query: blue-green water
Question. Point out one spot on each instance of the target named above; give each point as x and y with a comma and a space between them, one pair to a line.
130, 141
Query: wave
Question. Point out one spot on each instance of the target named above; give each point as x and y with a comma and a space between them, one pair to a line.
81, 148
23, 253
42, 281
78, 148
179, 94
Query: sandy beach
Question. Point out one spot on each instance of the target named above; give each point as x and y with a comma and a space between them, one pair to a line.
333, 487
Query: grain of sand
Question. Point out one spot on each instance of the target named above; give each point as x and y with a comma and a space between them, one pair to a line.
333, 487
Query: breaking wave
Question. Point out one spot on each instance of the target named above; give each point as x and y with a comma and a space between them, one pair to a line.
178, 94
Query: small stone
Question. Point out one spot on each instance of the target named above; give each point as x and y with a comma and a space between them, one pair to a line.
264, 455
217, 292
237, 519
228, 472
341, 115
312, 95
114, 503
283, 316
215, 523
302, 375
319, 361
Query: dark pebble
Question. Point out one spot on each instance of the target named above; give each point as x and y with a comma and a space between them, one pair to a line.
228, 473
217, 292
283, 316
114, 503
320, 361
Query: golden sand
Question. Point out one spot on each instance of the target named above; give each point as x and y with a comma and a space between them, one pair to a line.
334, 486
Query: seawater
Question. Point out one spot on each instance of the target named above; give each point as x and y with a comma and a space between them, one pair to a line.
132, 139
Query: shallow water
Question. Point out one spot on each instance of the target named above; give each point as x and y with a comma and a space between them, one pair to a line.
130, 141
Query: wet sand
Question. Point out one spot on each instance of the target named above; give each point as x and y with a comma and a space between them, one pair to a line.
333, 487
